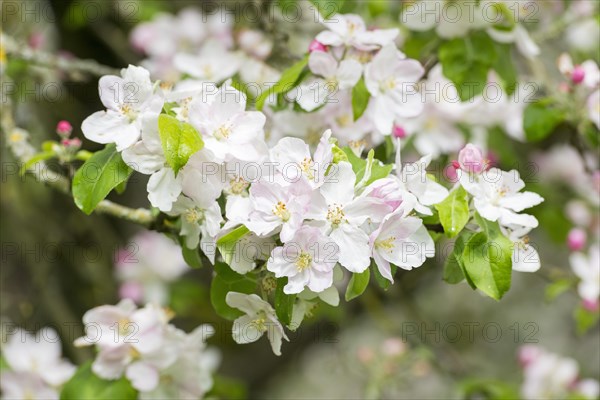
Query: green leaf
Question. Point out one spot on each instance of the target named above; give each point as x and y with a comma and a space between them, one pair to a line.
360, 98
359, 165
284, 303
585, 319
466, 62
225, 281
476, 388
540, 119
505, 67
327, 8
289, 79
191, 256
226, 244
46, 155
455, 261
227, 388
97, 177
86, 385
179, 141
488, 263
454, 211
383, 282
557, 288
357, 285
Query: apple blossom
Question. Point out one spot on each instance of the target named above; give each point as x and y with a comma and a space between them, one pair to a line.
278, 208
576, 239
391, 80
128, 99
213, 64
497, 197
587, 269
228, 130
350, 30
337, 76
401, 240
307, 261
340, 213
260, 318
151, 261
525, 257
34, 365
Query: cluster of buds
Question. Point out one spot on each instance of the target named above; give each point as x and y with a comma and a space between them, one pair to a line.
70, 146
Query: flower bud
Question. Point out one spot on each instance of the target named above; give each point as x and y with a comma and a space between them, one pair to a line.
576, 239
471, 159
72, 144
64, 129
315, 45
398, 132
591, 305
577, 75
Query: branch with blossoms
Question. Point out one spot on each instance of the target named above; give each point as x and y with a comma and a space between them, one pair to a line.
292, 184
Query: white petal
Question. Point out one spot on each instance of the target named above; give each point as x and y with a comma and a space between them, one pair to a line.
354, 247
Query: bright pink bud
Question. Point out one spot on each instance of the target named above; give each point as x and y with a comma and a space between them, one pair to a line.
576, 239
450, 171
591, 305
315, 45
398, 132
64, 128
471, 159
578, 75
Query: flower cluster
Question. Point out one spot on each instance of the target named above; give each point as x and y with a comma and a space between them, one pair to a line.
549, 375
36, 369
145, 267
160, 360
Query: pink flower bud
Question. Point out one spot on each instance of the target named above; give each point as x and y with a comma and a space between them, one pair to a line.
398, 132
315, 45
471, 159
528, 354
64, 128
576, 239
564, 87
591, 305
71, 144
450, 171
577, 75
131, 290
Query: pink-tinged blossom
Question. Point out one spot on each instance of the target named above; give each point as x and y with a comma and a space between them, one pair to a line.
576, 239
400, 240
307, 261
278, 208
587, 269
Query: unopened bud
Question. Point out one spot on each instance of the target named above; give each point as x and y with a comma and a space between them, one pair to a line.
398, 132
315, 45
470, 159
576, 239
64, 129
578, 75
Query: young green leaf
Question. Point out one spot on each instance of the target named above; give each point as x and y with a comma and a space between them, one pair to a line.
357, 285
540, 119
225, 281
488, 263
97, 177
43, 156
284, 303
289, 79
179, 141
454, 211
226, 244
360, 99
87, 385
